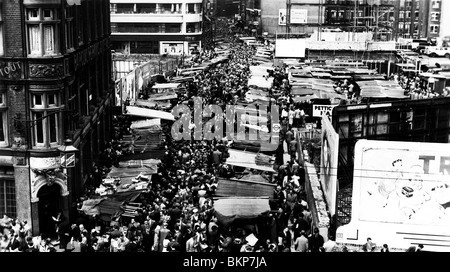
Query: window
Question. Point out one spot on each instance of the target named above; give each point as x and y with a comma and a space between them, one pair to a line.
193, 27
435, 16
1, 33
69, 28
3, 118
146, 8
42, 30
45, 114
80, 25
124, 8
434, 29
193, 8
8, 204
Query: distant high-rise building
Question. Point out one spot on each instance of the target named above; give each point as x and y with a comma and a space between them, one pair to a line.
418, 19
156, 26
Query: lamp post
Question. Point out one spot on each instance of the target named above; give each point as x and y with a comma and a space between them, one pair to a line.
67, 154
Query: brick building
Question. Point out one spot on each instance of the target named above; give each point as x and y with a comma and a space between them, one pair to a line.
55, 88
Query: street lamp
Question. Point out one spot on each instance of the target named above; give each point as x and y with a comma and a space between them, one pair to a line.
67, 154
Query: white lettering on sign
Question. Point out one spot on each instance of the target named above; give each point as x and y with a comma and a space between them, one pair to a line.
319, 110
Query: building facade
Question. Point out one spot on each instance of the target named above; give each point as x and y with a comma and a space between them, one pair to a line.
308, 16
156, 26
55, 88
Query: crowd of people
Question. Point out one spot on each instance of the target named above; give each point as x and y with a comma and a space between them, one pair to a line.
177, 212
417, 87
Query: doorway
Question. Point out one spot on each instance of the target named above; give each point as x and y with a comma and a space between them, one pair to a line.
49, 205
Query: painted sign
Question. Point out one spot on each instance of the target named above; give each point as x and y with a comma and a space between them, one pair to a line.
401, 195
8, 68
319, 110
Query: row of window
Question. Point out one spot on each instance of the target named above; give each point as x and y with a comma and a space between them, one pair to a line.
154, 8
154, 27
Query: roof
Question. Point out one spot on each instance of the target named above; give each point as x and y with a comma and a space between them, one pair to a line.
149, 113
247, 160
230, 209
244, 188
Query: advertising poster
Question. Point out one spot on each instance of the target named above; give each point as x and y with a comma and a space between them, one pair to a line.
400, 195
408, 183
299, 16
282, 17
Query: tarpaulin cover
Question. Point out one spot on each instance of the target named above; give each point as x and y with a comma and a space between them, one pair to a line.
103, 207
126, 196
227, 210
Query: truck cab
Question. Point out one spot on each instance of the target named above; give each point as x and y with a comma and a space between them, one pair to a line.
437, 51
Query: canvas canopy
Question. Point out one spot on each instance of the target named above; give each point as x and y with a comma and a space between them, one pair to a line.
227, 210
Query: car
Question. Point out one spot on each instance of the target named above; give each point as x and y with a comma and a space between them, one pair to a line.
437, 51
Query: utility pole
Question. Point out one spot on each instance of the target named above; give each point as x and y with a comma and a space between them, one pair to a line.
288, 18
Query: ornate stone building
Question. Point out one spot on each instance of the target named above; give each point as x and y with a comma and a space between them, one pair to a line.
55, 88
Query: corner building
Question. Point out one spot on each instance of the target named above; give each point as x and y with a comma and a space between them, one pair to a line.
55, 87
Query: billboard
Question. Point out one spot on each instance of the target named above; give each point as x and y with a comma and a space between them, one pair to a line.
329, 163
290, 48
401, 195
298, 16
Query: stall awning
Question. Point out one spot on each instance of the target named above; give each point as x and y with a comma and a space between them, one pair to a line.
260, 82
149, 113
230, 209
166, 86
247, 160
244, 188
147, 123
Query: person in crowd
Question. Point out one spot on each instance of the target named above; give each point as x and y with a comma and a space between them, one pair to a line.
315, 241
